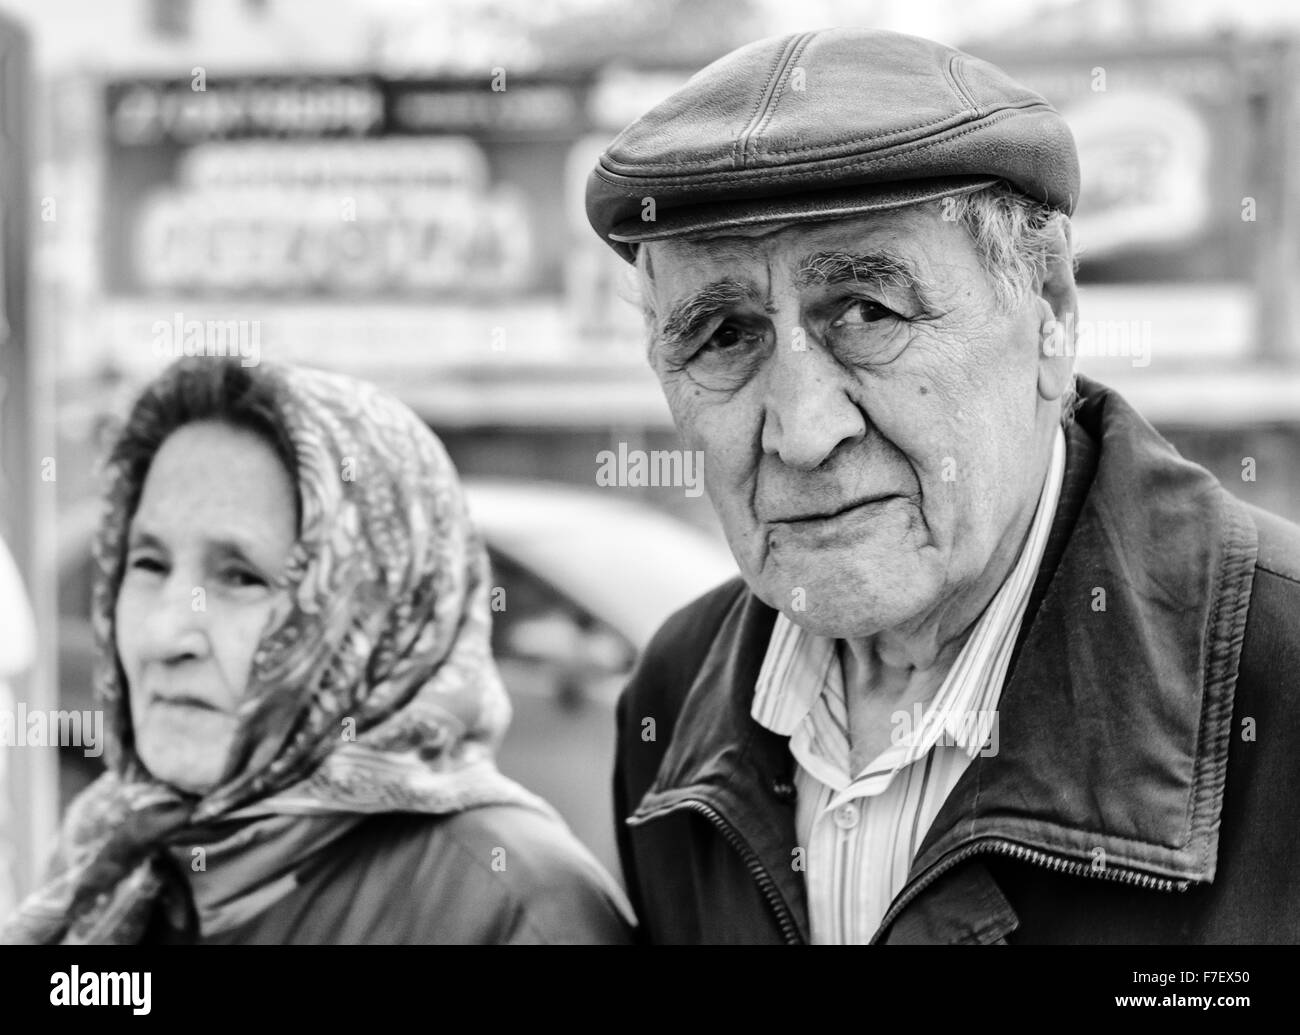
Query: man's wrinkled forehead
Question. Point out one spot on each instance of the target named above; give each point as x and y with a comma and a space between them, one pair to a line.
694, 279
682, 260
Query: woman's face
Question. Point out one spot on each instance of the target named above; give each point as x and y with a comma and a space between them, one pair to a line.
209, 539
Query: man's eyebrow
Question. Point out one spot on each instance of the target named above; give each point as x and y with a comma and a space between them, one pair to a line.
689, 316
883, 269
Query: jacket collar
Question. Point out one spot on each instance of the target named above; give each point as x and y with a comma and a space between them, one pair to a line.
1115, 719
1116, 714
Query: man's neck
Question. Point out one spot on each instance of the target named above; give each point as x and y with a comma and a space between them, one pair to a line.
877, 693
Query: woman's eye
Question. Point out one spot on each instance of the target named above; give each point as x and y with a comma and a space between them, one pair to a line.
242, 577
149, 564
861, 312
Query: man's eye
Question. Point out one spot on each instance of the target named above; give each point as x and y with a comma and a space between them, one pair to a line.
863, 311
725, 337
726, 359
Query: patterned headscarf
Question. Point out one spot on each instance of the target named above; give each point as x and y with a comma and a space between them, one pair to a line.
375, 692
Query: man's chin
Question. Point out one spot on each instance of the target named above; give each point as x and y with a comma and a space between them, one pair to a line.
838, 610
841, 626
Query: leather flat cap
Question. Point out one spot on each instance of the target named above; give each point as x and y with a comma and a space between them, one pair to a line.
817, 125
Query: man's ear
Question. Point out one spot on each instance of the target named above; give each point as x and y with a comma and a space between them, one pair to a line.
1060, 307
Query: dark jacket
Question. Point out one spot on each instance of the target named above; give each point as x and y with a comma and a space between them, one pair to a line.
1145, 788
498, 874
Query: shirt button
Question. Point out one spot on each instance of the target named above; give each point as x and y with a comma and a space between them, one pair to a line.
847, 816
783, 789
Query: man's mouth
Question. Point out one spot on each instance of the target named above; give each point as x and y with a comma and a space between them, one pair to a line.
830, 513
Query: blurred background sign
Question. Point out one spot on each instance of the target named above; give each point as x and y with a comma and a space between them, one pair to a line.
317, 186
1149, 188
388, 218
1168, 140
427, 232
1181, 197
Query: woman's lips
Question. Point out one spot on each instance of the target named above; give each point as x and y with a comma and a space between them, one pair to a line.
184, 701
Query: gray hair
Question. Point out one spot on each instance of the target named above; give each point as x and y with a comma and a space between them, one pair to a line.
1013, 234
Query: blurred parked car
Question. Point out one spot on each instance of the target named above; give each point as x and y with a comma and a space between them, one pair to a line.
581, 580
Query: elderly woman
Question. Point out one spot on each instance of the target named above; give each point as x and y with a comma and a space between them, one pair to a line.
291, 612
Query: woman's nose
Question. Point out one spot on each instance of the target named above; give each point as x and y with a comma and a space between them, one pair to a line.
174, 625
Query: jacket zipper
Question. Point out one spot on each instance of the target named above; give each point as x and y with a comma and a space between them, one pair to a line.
790, 931
1023, 854
733, 837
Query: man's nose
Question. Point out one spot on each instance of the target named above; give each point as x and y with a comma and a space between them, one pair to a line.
808, 411
174, 624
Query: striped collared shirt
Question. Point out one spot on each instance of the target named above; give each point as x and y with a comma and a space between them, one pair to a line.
860, 833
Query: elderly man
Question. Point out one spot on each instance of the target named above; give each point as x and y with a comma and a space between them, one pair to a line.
1002, 666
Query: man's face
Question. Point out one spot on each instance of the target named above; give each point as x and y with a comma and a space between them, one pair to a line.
868, 414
